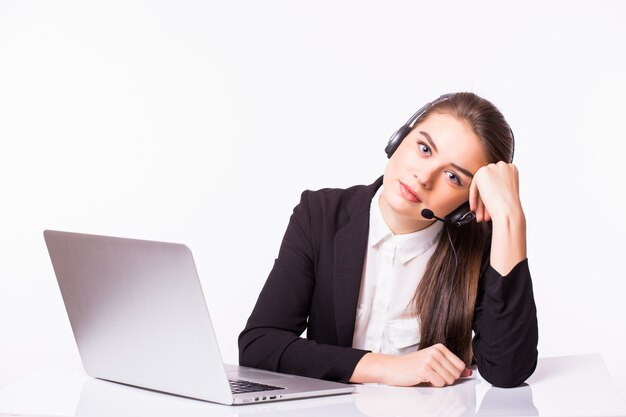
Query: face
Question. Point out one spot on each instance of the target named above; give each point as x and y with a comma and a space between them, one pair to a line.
432, 168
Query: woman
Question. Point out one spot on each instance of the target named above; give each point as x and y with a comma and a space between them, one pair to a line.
385, 293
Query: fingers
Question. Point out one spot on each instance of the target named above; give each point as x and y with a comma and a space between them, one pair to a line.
436, 365
480, 207
482, 214
455, 363
473, 195
442, 371
487, 216
476, 202
495, 186
446, 367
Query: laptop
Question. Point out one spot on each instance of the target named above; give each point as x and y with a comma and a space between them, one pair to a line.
139, 317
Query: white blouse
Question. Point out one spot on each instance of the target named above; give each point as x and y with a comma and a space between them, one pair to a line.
394, 265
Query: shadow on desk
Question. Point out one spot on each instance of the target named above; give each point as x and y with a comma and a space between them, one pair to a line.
103, 398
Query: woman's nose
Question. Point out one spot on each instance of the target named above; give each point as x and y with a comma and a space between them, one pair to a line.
425, 179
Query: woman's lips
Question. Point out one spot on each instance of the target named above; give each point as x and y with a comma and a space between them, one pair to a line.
409, 194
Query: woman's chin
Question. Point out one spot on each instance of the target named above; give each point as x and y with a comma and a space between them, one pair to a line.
404, 208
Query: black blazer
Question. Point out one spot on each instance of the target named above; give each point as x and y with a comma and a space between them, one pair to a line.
314, 285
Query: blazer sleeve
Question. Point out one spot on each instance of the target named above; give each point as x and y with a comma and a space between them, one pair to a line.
271, 339
505, 326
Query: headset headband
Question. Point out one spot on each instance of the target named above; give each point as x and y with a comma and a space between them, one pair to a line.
401, 133
409, 123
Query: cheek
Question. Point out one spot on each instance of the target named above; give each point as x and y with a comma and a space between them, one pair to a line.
402, 157
447, 201
392, 169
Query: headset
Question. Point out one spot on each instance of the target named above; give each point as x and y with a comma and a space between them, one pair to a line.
461, 215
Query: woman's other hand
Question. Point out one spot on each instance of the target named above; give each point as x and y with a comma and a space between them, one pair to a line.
494, 195
435, 365
494, 192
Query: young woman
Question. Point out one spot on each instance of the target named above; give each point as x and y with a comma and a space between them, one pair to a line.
386, 293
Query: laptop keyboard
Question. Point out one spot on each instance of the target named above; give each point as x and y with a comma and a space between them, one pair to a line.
239, 386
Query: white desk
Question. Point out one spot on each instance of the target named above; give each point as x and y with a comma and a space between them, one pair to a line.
561, 386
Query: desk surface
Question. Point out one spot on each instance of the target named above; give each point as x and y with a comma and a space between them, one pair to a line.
561, 386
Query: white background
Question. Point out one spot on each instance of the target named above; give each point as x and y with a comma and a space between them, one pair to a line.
201, 122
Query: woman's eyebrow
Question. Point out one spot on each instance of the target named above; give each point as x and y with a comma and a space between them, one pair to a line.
432, 145
463, 171
430, 140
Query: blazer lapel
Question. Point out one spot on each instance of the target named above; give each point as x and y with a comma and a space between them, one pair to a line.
349, 256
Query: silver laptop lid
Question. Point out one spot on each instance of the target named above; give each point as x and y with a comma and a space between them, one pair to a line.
138, 313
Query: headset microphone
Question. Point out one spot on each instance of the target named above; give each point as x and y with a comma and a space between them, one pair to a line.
458, 217
428, 214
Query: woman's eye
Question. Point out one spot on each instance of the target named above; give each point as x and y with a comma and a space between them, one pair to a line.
423, 148
452, 176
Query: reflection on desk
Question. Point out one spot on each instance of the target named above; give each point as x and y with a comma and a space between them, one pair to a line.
458, 400
572, 386
102, 398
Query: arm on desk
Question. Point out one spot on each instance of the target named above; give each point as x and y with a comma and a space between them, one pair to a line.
505, 326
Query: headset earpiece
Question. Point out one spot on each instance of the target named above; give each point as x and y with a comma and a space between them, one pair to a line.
461, 216
396, 140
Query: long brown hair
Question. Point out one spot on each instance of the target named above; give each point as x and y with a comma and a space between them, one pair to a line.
445, 298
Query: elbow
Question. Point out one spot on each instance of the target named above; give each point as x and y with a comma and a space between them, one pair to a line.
510, 376
262, 347
245, 359
248, 355
512, 359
